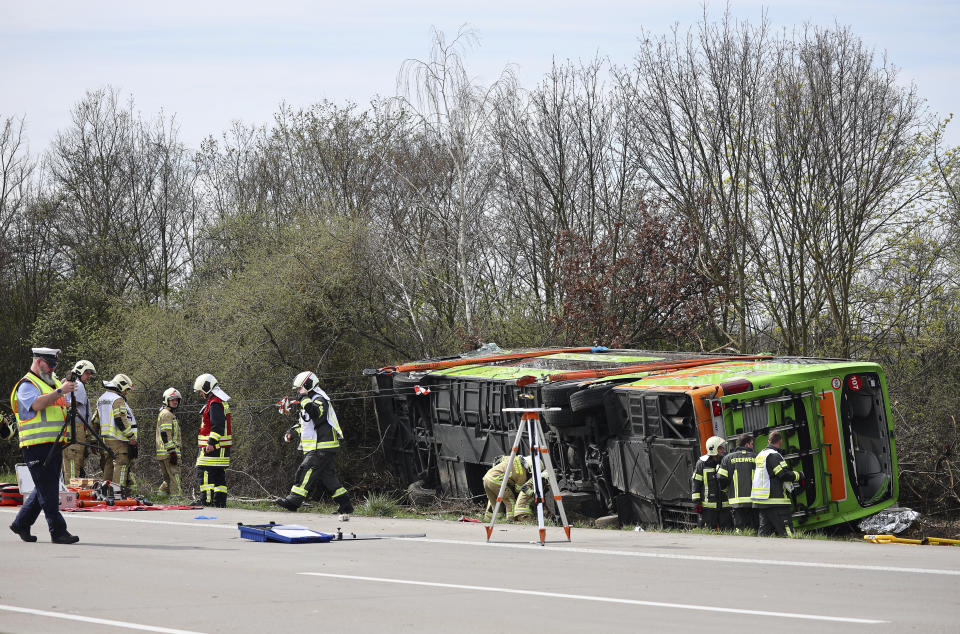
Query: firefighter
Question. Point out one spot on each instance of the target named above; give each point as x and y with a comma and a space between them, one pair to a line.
320, 436
38, 402
118, 428
706, 493
769, 493
517, 474
213, 442
76, 451
735, 476
168, 442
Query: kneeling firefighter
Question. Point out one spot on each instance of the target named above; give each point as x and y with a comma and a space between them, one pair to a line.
519, 485
320, 436
214, 442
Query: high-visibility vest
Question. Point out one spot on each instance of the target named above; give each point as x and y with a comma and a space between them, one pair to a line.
222, 442
110, 406
321, 434
44, 426
768, 487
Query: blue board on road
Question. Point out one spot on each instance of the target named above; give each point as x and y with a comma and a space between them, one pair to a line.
283, 533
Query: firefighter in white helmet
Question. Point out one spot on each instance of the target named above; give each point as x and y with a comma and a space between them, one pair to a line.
214, 442
118, 427
320, 436
710, 499
75, 453
168, 442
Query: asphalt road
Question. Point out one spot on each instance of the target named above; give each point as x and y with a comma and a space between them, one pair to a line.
165, 571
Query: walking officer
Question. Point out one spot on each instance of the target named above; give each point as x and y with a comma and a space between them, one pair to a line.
38, 402
214, 442
768, 493
320, 436
735, 475
168, 442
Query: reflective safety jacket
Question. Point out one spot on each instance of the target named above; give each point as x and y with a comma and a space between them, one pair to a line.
318, 426
116, 417
516, 474
168, 433
735, 476
769, 476
44, 426
215, 431
704, 487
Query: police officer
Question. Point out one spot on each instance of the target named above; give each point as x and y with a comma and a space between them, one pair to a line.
768, 493
214, 442
38, 403
706, 492
735, 476
320, 436
168, 442
76, 451
118, 428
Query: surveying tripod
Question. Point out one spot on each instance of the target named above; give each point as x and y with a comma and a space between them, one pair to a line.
530, 423
71, 425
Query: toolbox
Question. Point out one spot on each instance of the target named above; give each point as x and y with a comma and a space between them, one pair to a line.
284, 533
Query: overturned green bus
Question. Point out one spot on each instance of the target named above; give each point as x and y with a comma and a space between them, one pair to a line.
632, 424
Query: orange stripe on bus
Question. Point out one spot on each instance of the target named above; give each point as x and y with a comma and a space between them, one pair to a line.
832, 449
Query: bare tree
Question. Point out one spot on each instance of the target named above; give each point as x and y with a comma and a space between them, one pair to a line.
454, 114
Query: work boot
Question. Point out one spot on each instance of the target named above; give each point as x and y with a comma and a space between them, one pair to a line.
24, 533
287, 503
220, 500
64, 538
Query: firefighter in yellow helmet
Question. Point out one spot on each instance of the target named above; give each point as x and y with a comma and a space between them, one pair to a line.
517, 475
168, 442
76, 451
214, 442
118, 428
320, 436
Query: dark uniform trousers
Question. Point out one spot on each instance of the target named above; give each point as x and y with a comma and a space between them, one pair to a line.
316, 469
46, 488
745, 517
775, 518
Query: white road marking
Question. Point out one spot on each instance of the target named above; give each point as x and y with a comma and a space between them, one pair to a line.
106, 517
726, 560
575, 549
90, 619
587, 597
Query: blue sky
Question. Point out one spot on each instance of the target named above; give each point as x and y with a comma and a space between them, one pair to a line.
210, 62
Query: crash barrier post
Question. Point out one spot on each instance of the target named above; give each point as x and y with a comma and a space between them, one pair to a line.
540, 454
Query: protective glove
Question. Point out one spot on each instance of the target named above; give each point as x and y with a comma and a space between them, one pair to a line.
801, 479
699, 508
173, 458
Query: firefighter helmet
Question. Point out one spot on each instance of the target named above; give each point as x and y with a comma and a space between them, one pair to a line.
205, 383
713, 445
120, 382
82, 366
170, 394
306, 380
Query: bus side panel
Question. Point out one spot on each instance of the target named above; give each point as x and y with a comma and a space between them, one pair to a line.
833, 450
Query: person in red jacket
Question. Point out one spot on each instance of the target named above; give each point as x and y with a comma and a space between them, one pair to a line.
213, 442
